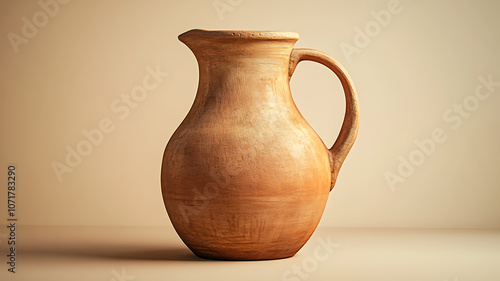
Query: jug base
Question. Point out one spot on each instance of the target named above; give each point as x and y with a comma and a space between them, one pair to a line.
243, 256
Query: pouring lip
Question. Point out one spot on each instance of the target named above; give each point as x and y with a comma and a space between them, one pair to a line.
239, 34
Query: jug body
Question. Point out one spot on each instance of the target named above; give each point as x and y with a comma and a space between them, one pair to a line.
244, 177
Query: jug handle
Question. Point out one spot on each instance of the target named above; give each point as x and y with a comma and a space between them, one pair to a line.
338, 152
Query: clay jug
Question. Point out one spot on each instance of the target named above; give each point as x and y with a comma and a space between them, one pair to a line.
244, 176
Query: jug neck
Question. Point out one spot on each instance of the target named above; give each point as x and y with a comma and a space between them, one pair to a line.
247, 53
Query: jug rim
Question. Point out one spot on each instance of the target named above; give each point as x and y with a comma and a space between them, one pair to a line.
240, 34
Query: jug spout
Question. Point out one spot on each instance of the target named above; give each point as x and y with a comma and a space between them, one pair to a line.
228, 45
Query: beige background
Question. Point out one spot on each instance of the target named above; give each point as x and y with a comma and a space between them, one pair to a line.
77, 65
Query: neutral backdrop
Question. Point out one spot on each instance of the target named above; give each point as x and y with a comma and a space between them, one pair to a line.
428, 145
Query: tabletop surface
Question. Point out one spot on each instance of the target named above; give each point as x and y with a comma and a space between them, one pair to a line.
156, 253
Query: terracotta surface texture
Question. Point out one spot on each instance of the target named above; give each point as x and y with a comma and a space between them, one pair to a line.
244, 177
